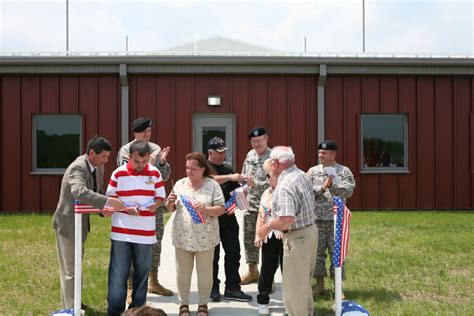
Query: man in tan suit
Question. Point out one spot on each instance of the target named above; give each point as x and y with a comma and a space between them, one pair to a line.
82, 180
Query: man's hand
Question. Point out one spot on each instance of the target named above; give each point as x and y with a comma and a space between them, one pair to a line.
250, 182
159, 155
115, 203
257, 242
153, 157
154, 207
237, 177
133, 211
328, 183
263, 232
163, 154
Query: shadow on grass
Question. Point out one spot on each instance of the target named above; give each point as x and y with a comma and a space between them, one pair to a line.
321, 311
380, 295
93, 312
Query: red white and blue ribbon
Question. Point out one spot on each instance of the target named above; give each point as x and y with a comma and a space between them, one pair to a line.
190, 204
231, 204
86, 208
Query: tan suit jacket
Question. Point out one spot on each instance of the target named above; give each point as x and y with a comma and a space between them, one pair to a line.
78, 184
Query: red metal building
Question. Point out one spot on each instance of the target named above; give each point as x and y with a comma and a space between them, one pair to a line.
420, 109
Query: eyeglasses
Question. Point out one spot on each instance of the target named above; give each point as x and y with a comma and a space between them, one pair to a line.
273, 160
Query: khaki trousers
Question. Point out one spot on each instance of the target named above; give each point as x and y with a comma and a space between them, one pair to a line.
65, 249
184, 270
299, 256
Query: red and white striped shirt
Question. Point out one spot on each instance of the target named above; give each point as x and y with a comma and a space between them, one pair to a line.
135, 188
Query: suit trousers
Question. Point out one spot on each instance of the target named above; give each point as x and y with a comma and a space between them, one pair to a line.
65, 248
299, 256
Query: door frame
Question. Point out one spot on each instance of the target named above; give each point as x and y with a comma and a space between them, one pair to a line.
230, 134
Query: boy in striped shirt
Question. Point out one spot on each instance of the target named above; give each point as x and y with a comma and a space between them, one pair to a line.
140, 187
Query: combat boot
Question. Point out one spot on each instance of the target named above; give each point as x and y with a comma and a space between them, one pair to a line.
251, 276
155, 287
319, 289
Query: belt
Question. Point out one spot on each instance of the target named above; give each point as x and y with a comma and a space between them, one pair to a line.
286, 231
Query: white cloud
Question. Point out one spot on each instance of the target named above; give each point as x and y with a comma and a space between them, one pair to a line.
28, 26
443, 27
96, 27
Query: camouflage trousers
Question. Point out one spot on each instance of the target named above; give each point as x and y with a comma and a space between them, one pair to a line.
156, 252
252, 253
325, 244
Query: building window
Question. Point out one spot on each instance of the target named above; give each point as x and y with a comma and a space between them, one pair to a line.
57, 142
384, 143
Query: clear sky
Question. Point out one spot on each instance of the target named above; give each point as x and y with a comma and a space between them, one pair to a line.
330, 26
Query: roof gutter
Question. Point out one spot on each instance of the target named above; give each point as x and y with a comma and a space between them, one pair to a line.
185, 64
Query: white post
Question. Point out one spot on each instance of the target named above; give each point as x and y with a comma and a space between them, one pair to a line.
77, 264
338, 283
338, 291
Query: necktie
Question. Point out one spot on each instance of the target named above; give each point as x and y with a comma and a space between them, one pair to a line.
94, 173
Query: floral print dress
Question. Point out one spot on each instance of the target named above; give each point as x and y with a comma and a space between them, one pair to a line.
187, 234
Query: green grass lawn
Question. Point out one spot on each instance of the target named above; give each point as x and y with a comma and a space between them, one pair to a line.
399, 263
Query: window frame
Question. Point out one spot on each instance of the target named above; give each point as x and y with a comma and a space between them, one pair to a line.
51, 171
404, 169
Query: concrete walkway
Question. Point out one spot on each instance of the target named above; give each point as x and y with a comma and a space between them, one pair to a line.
167, 277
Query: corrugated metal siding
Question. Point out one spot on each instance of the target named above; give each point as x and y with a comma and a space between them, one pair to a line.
440, 127
440, 146
97, 98
11, 132
285, 105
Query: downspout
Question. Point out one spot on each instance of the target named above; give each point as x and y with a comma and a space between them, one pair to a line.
321, 83
125, 118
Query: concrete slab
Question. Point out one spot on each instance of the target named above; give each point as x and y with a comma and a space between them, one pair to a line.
167, 277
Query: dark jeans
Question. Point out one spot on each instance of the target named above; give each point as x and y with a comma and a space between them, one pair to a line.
272, 254
122, 256
229, 233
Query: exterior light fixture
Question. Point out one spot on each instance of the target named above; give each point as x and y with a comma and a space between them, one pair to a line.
214, 100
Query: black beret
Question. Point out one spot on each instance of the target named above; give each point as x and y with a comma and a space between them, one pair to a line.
327, 145
217, 143
257, 131
141, 124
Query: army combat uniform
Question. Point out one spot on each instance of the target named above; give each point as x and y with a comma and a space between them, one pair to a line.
324, 214
253, 167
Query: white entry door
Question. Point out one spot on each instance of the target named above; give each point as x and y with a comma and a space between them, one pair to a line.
207, 126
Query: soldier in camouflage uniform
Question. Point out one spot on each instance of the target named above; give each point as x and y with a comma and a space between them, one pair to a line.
257, 181
141, 128
324, 188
